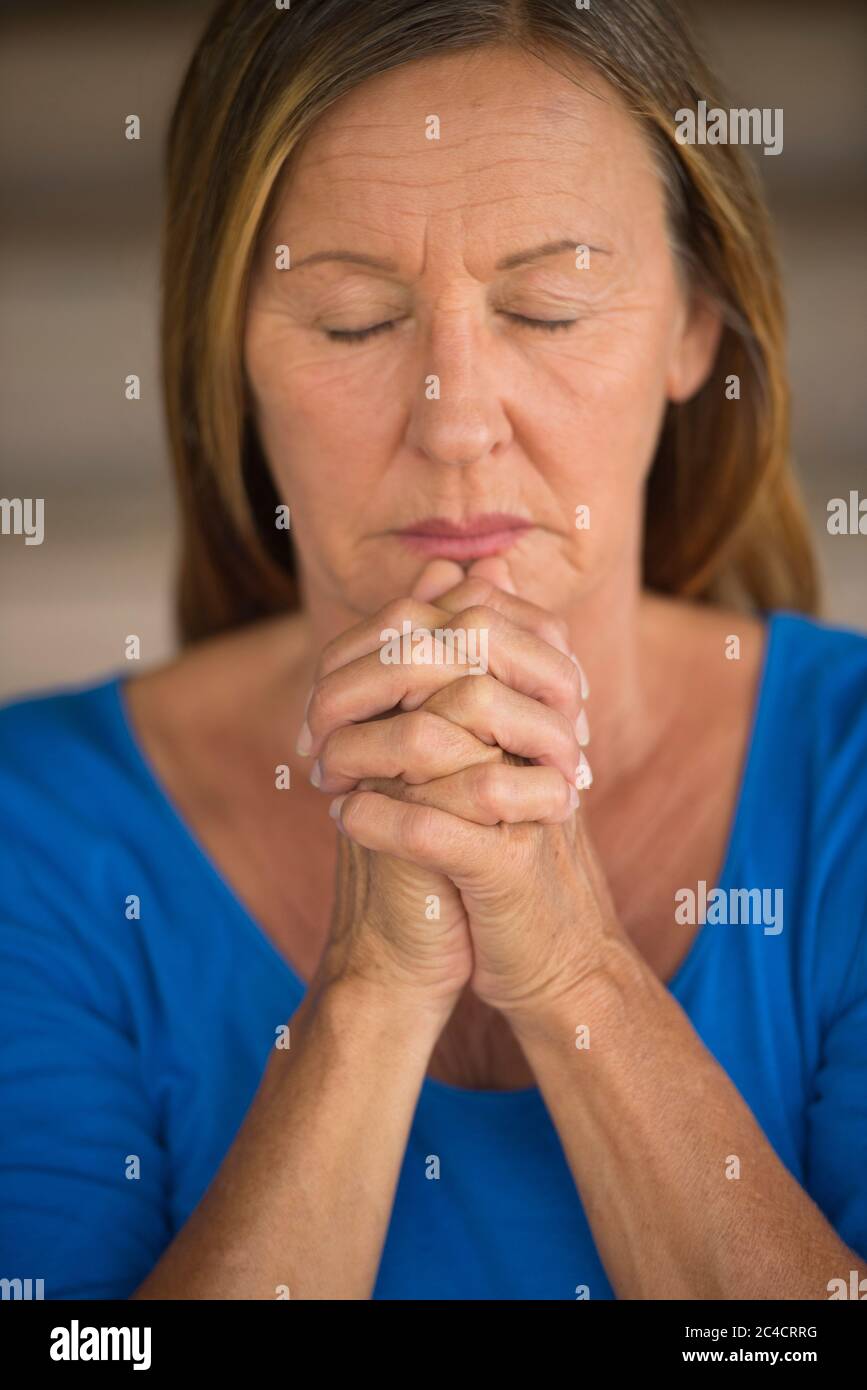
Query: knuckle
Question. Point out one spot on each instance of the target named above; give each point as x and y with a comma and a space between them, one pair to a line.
320, 711
336, 751
328, 658
417, 831
482, 692
395, 612
477, 591
328, 759
353, 810
478, 615
418, 732
491, 787
474, 697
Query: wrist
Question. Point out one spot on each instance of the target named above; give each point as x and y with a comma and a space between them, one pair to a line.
379, 1001
349, 1027
605, 990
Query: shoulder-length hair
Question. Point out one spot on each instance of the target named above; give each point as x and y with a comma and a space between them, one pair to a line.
723, 522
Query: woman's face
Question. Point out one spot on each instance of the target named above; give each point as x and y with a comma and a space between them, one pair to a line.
463, 402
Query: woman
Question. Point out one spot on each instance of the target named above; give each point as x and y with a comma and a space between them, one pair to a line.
456, 336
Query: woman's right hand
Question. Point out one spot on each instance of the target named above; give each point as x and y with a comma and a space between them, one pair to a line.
395, 923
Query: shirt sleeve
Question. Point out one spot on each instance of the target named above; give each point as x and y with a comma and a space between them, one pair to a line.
837, 1113
83, 1171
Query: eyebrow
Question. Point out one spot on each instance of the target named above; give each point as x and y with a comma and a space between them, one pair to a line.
353, 257
535, 253
549, 248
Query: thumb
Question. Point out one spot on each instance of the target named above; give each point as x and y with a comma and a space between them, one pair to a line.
495, 569
436, 579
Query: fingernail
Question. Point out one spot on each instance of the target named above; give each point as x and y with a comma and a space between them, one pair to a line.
334, 808
573, 798
316, 773
582, 729
307, 701
583, 775
305, 740
585, 686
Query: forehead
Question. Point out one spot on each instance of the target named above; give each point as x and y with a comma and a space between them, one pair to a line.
489, 138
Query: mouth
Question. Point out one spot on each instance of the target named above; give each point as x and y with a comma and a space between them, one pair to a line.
489, 534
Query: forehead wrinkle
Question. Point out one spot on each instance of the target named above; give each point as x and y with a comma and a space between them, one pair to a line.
471, 174
336, 123
346, 130
315, 158
516, 227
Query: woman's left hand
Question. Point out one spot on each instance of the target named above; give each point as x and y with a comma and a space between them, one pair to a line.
493, 807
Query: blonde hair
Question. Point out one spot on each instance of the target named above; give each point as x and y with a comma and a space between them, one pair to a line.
724, 520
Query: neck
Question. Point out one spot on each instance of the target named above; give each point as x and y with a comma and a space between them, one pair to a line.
618, 636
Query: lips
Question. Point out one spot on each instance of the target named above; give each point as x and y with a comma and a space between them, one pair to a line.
490, 533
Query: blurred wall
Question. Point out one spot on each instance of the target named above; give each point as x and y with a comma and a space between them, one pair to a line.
79, 280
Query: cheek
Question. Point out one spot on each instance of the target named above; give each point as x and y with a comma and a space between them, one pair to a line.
308, 409
598, 418
626, 401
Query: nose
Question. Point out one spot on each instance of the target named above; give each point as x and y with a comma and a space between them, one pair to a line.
458, 417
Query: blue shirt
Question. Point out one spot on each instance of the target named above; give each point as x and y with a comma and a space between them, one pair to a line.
123, 1038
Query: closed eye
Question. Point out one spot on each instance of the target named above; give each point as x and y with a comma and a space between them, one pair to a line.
358, 335
548, 325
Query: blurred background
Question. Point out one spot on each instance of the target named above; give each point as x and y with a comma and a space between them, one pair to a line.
79, 280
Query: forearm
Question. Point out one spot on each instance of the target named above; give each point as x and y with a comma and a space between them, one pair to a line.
304, 1195
649, 1122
